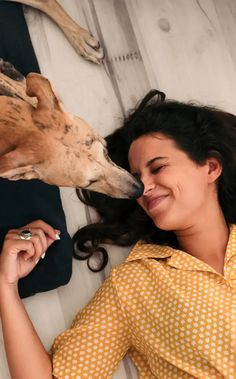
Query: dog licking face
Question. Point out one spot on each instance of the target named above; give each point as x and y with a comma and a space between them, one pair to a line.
39, 140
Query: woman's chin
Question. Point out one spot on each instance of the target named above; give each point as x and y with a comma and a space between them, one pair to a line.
164, 223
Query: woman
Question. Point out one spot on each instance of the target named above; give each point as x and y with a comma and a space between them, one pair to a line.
171, 306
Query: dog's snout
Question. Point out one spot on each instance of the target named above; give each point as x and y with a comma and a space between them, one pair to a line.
138, 189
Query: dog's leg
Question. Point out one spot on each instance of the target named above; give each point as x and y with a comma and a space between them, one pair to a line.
82, 41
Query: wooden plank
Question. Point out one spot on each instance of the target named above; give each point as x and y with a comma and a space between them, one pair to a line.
186, 49
226, 13
123, 58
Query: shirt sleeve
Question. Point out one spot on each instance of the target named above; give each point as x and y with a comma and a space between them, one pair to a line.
97, 340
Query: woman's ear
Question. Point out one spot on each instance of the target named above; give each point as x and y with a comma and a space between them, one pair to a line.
214, 169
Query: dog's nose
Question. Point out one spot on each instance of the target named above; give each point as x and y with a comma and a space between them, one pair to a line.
137, 189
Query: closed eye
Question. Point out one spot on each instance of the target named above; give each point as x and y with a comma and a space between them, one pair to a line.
153, 171
157, 169
92, 181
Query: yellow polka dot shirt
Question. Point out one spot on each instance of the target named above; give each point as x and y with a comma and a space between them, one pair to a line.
173, 314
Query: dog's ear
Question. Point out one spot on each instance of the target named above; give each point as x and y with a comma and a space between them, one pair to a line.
40, 87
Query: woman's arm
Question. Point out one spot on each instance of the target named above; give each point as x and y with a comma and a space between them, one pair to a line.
26, 355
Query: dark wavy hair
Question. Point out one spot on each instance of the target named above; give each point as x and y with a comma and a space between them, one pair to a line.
200, 131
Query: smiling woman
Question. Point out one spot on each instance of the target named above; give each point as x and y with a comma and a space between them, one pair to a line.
170, 305
200, 136
185, 156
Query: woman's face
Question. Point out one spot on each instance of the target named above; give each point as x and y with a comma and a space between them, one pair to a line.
177, 191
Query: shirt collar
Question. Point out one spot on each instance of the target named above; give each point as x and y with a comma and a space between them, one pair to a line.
144, 250
178, 258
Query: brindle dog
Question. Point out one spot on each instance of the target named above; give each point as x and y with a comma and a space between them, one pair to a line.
40, 140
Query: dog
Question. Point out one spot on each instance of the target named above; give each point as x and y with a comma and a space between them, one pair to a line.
83, 42
40, 140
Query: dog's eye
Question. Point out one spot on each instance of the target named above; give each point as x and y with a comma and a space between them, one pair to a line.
92, 181
105, 152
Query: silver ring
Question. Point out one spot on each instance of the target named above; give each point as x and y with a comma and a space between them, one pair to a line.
25, 234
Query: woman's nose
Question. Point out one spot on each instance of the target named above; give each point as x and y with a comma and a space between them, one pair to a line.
148, 186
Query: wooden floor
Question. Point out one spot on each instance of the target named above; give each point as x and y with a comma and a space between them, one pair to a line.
184, 47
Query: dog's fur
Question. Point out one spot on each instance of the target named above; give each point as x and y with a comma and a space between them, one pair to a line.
40, 140
82, 41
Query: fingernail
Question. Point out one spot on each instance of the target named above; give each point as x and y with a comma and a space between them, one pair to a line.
57, 236
43, 255
36, 261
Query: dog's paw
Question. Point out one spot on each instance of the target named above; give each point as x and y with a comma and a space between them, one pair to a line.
9, 70
85, 44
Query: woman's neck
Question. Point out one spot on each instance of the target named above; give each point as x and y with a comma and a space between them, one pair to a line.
206, 241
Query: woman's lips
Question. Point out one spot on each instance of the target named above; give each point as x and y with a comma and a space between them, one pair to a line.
154, 202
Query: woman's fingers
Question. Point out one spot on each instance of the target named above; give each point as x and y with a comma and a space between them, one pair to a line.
39, 244
46, 228
43, 235
39, 240
35, 246
13, 247
18, 258
21, 251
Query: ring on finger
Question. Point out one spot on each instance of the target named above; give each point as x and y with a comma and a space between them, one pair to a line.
25, 234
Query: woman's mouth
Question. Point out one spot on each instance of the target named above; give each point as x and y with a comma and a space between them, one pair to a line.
153, 202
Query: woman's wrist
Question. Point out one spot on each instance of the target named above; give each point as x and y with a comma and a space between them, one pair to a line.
8, 287
8, 295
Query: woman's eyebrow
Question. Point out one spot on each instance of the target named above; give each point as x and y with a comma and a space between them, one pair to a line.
153, 160
149, 164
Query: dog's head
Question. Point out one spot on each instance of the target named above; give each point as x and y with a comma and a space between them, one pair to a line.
58, 148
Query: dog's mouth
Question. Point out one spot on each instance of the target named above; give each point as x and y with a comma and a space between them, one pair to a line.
119, 184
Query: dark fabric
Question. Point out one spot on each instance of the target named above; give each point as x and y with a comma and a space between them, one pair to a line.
25, 201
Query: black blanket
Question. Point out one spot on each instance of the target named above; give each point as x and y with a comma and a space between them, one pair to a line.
25, 201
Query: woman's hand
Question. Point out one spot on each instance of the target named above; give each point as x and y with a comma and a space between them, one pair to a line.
19, 257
